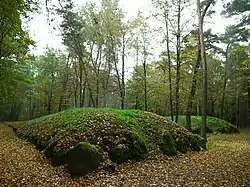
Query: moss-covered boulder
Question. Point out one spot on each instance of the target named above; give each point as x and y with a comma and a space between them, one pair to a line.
83, 158
119, 154
181, 145
135, 148
138, 147
194, 144
201, 141
167, 144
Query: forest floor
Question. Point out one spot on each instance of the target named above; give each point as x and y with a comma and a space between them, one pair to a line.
225, 163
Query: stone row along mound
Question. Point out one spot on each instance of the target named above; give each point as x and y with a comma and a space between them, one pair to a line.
214, 125
86, 139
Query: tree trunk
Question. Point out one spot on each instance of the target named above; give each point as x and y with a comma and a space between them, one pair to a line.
123, 72
63, 101
49, 101
178, 63
119, 77
145, 78
137, 87
248, 96
204, 73
75, 85
169, 67
193, 89
224, 84
213, 107
98, 76
81, 80
50, 96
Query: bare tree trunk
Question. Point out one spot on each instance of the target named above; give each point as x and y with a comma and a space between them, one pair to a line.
169, 67
63, 101
178, 63
193, 90
224, 84
49, 109
248, 96
204, 69
213, 107
120, 78
123, 72
145, 77
75, 84
98, 76
145, 84
81, 80
137, 87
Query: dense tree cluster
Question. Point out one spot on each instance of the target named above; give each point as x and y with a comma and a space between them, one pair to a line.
101, 43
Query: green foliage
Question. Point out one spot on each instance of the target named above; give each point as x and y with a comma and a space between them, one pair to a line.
14, 46
213, 125
120, 134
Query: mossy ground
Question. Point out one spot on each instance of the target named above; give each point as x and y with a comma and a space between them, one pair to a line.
214, 125
118, 135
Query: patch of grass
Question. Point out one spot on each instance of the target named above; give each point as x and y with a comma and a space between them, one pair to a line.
214, 125
114, 133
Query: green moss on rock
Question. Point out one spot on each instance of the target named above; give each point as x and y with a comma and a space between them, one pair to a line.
181, 145
167, 144
138, 147
194, 145
83, 158
197, 142
135, 148
202, 142
119, 154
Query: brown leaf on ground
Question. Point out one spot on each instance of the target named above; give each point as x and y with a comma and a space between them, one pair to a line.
226, 163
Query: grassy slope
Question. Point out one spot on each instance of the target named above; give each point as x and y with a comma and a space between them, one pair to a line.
213, 124
105, 129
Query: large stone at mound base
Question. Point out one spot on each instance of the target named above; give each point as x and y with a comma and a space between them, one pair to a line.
227, 129
119, 154
181, 145
167, 144
133, 148
83, 158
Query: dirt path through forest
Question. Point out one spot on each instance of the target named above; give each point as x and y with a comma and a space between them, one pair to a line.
227, 164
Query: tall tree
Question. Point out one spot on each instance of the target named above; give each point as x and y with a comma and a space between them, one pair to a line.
204, 66
195, 71
164, 8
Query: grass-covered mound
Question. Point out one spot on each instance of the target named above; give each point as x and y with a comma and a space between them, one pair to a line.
85, 139
214, 125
